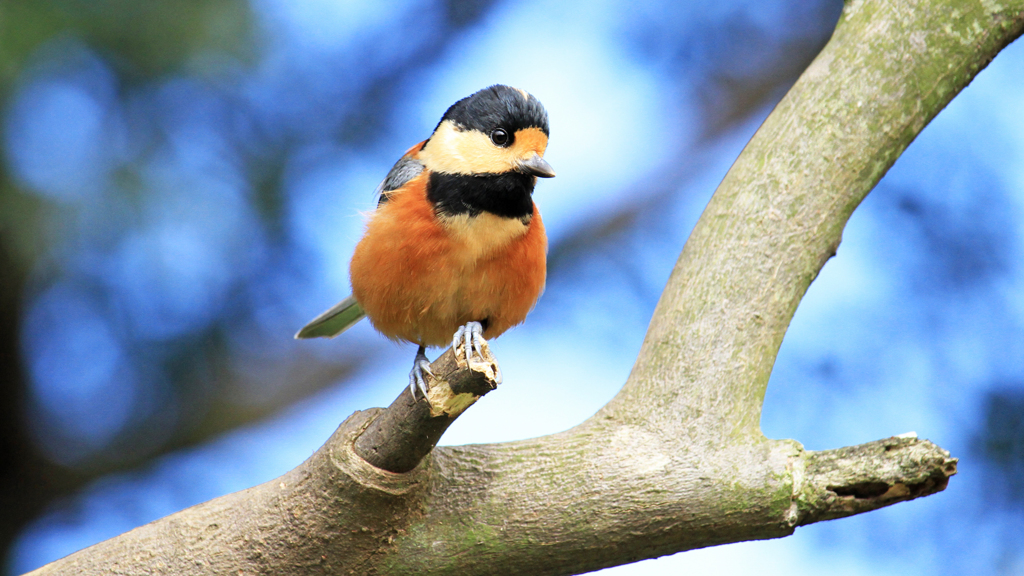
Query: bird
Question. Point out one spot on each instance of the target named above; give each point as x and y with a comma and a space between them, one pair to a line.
455, 251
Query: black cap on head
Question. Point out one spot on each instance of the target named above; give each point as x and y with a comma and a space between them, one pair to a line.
498, 107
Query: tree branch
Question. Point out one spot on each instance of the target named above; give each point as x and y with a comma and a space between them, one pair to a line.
676, 460
778, 215
855, 479
399, 437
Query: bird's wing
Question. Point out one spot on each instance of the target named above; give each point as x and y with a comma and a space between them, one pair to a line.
347, 312
407, 168
334, 321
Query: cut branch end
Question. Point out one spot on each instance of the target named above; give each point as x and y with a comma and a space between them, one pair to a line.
406, 431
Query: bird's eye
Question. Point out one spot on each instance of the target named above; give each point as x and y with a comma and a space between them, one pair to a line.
499, 137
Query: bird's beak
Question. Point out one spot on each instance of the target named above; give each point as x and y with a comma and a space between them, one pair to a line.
537, 166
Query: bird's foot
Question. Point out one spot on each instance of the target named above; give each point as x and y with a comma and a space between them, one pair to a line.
471, 338
420, 367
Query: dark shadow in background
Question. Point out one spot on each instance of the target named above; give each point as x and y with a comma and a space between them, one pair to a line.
1001, 441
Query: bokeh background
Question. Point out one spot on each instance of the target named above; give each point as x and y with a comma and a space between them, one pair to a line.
183, 181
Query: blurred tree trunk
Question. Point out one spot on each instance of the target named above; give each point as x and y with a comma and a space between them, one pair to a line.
19, 463
28, 481
676, 460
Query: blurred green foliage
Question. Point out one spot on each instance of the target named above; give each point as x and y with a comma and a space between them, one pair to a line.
142, 39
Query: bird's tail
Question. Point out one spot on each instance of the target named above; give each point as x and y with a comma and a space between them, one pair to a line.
334, 321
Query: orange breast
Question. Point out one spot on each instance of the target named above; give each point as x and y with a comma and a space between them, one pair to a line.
419, 278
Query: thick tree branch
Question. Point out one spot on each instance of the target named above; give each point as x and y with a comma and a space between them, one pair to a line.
778, 215
676, 461
622, 494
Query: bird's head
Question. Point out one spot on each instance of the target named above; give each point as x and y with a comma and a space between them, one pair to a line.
496, 130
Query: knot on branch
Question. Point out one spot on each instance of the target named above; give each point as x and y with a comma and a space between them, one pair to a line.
857, 479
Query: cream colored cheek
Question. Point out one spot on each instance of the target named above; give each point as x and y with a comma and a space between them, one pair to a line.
464, 152
484, 156
471, 152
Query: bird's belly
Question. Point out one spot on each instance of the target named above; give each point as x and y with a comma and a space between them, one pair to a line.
419, 279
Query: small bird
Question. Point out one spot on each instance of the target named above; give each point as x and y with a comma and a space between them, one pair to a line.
455, 251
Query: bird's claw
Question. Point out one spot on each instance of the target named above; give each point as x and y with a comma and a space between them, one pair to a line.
471, 338
420, 366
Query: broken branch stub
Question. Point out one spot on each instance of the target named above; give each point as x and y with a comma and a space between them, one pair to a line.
407, 430
855, 479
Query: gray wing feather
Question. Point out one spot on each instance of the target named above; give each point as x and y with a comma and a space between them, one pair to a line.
334, 321
401, 173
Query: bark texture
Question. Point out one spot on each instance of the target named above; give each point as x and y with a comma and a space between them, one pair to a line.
676, 460
400, 437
